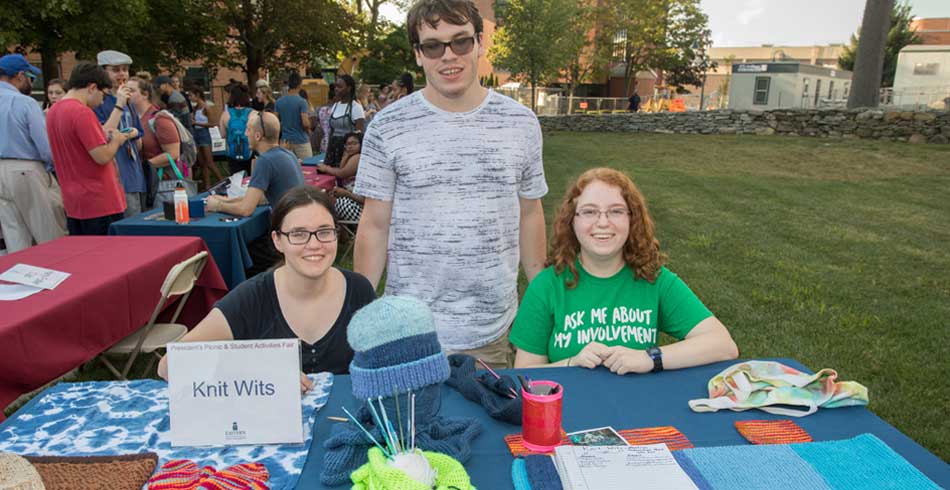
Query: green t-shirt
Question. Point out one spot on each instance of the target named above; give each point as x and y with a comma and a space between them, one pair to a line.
618, 310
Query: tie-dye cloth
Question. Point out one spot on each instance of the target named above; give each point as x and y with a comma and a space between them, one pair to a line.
109, 418
762, 384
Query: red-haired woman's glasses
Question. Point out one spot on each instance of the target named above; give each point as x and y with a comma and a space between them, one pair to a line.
435, 49
617, 215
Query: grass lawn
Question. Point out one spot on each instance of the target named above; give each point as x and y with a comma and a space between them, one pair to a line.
833, 253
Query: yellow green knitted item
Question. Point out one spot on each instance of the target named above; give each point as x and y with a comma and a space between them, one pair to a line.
378, 475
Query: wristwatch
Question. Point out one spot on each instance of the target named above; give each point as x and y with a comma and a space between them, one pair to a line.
657, 355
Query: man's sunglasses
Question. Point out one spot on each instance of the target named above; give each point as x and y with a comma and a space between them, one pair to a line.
435, 49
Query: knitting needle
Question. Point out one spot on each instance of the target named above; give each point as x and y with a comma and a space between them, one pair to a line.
371, 438
402, 438
382, 409
510, 395
379, 423
493, 373
412, 408
338, 419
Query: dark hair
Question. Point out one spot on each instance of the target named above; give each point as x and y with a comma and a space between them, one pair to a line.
87, 72
197, 90
351, 83
456, 12
240, 96
405, 81
303, 93
293, 81
57, 81
299, 197
355, 134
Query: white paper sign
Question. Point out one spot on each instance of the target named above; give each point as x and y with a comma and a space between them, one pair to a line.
13, 292
37, 277
234, 392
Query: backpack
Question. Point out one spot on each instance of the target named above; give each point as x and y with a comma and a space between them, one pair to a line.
239, 148
188, 151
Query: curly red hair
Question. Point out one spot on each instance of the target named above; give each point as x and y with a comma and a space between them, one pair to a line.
642, 250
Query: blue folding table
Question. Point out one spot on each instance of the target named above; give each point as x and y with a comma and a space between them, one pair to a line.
597, 398
227, 240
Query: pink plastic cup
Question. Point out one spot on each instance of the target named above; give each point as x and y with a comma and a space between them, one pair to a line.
541, 418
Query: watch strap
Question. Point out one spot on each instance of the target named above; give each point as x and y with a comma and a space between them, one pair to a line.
657, 355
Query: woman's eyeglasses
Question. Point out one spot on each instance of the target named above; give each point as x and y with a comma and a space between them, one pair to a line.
302, 237
435, 49
617, 215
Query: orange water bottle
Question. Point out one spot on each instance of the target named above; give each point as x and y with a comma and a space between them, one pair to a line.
181, 204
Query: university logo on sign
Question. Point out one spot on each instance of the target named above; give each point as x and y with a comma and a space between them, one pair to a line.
235, 392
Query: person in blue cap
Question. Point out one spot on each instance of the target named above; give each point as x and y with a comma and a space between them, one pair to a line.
117, 114
31, 203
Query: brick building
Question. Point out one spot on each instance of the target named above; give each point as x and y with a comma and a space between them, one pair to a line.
934, 31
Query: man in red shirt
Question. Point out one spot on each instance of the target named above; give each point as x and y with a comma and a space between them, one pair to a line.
84, 155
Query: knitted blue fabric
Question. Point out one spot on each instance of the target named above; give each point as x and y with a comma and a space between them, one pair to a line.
519, 475
385, 356
388, 319
396, 348
395, 352
862, 462
483, 389
541, 473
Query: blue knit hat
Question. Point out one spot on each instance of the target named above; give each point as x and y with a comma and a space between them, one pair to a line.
395, 345
396, 348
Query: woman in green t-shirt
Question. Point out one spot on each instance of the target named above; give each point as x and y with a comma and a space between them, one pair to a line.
605, 295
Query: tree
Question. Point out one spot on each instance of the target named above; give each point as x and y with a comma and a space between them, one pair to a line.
900, 34
83, 26
532, 42
374, 24
584, 55
658, 34
279, 33
869, 61
158, 48
389, 56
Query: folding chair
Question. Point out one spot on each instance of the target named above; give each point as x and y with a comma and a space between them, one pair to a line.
348, 230
153, 336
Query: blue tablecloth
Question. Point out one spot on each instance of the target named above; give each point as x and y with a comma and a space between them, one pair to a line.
227, 241
315, 160
599, 398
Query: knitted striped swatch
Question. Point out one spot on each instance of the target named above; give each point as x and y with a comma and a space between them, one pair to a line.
184, 474
669, 435
772, 431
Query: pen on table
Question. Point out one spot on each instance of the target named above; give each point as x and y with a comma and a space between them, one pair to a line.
524, 384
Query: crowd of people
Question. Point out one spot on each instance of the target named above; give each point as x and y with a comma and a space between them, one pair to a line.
445, 182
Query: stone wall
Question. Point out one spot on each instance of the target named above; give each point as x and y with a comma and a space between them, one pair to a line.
913, 127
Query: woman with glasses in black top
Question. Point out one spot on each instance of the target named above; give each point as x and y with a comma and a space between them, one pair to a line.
305, 297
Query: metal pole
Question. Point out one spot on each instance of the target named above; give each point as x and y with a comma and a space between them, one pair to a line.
702, 92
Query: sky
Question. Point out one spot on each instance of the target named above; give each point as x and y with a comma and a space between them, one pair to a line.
780, 22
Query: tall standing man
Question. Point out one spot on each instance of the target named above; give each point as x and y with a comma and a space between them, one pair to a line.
453, 178
116, 113
31, 205
85, 154
294, 113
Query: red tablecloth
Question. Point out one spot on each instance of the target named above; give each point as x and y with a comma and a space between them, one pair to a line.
112, 290
316, 179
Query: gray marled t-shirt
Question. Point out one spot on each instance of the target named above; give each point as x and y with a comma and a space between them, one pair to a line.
454, 180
